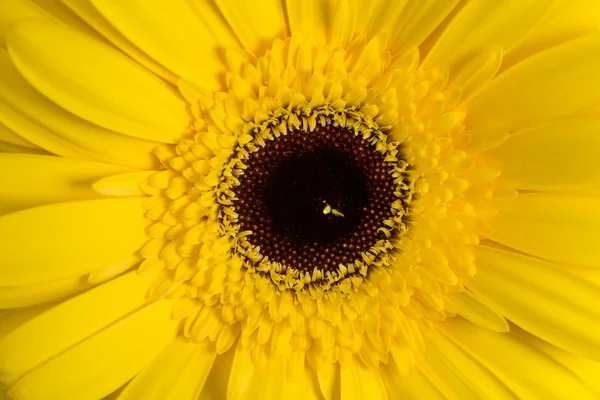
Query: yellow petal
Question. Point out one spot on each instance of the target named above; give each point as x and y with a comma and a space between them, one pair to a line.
178, 373
36, 180
476, 72
485, 24
477, 311
60, 12
12, 319
417, 386
587, 370
6, 147
114, 395
256, 24
96, 82
13, 11
302, 387
358, 382
444, 378
560, 228
552, 84
377, 16
218, 378
485, 139
189, 41
342, 28
8, 136
329, 380
68, 239
115, 269
70, 322
309, 18
100, 364
461, 371
562, 155
35, 118
126, 184
268, 381
521, 368
540, 297
85, 10
25, 296
566, 20
418, 20
241, 375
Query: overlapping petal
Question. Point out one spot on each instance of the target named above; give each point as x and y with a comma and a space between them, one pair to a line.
64, 240
520, 170
191, 41
104, 87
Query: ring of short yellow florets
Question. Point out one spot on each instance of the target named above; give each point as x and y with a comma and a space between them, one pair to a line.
280, 122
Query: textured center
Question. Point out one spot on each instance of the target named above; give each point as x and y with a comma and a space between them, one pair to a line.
315, 199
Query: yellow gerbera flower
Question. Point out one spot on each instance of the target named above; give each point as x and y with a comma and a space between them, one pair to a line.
340, 199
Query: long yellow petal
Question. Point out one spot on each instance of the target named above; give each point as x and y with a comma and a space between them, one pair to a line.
35, 118
12, 11
476, 72
25, 296
6, 147
309, 19
567, 20
552, 84
562, 155
64, 240
256, 24
417, 386
99, 84
450, 361
61, 13
541, 297
418, 20
562, 228
521, 368
485, 24
12, 319
66, 324
302, 387
31, 131
126, 184
343, 26
441, 376
8, 136
115, 354
241, 375
34, 180
269, 381
475, 310
189, 41
378, 16
178, 373
85, 10
328, 377
218, 378
587, 370
358, 382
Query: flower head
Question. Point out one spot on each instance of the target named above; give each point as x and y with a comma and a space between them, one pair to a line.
330, 200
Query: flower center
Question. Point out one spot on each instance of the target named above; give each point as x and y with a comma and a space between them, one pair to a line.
319, 207
315, 199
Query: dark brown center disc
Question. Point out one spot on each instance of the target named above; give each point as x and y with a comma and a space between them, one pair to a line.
315, 199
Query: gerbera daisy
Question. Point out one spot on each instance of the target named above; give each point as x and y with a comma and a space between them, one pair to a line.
299, 199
